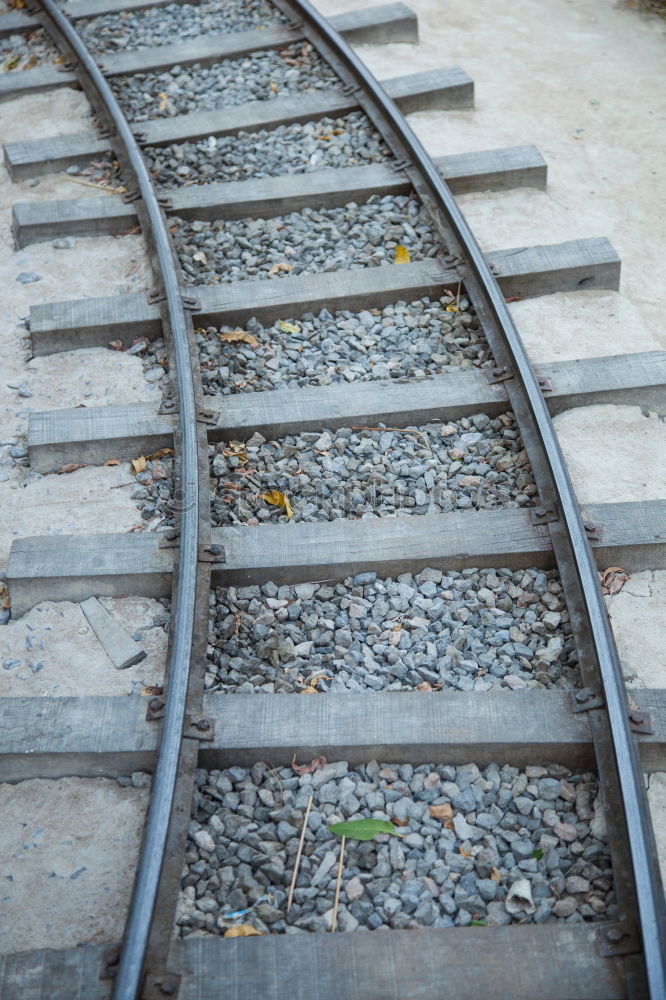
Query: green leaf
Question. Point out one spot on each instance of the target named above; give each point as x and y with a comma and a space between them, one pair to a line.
364, 829
537, 853
478, 923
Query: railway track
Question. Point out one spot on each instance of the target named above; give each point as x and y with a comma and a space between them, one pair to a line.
384, 453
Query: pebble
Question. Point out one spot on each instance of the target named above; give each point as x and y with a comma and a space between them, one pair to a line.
64, 243
258, 76
287, 149
363, 477
403, 340
158, 26
305, 242
28, 277
272, 639
239, 856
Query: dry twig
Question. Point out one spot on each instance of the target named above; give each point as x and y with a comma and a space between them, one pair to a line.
334, 921
298, 855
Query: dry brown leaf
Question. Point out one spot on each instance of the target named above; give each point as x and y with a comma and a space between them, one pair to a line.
274, 87
443, 811
313, 682
465, 852
242, 930
283, 265
162, 453
495, 875
152, 689
72, 467
235, 335
112, 461
310, 768
402, 255
424, 686
139, 464
277, 499
116, 345
399, 822
613, 580
236, 449
163, 102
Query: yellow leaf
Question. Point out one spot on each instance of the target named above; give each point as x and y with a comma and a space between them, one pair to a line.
162, 453
139, 464
236, 449
234, 335
402, 254
288, 327
11, 62
452, 308
277, 499
163, 101
281, 266
112, 461
242, 930
274, 87
200, 257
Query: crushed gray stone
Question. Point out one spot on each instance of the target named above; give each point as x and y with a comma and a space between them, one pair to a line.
259, 76
24, 51
533, 833
306, 242
468, 631
349, 141
161, 25
401, 341
473, 463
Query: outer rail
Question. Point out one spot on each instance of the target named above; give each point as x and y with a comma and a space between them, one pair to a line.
137, 929
651, 907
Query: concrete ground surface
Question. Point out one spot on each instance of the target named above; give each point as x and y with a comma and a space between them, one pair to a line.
583, 82
64, 844
69, 847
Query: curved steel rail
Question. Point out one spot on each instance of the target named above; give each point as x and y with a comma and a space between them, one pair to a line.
650, 899
137, 929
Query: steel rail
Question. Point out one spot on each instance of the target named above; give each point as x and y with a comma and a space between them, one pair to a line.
652, 910
137, 929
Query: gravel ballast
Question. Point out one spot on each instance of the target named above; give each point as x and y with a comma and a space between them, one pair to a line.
468, 631
24, 51
472, 463
505, 846
403, 340
350, 141
161, 25
306, 242
260, 76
